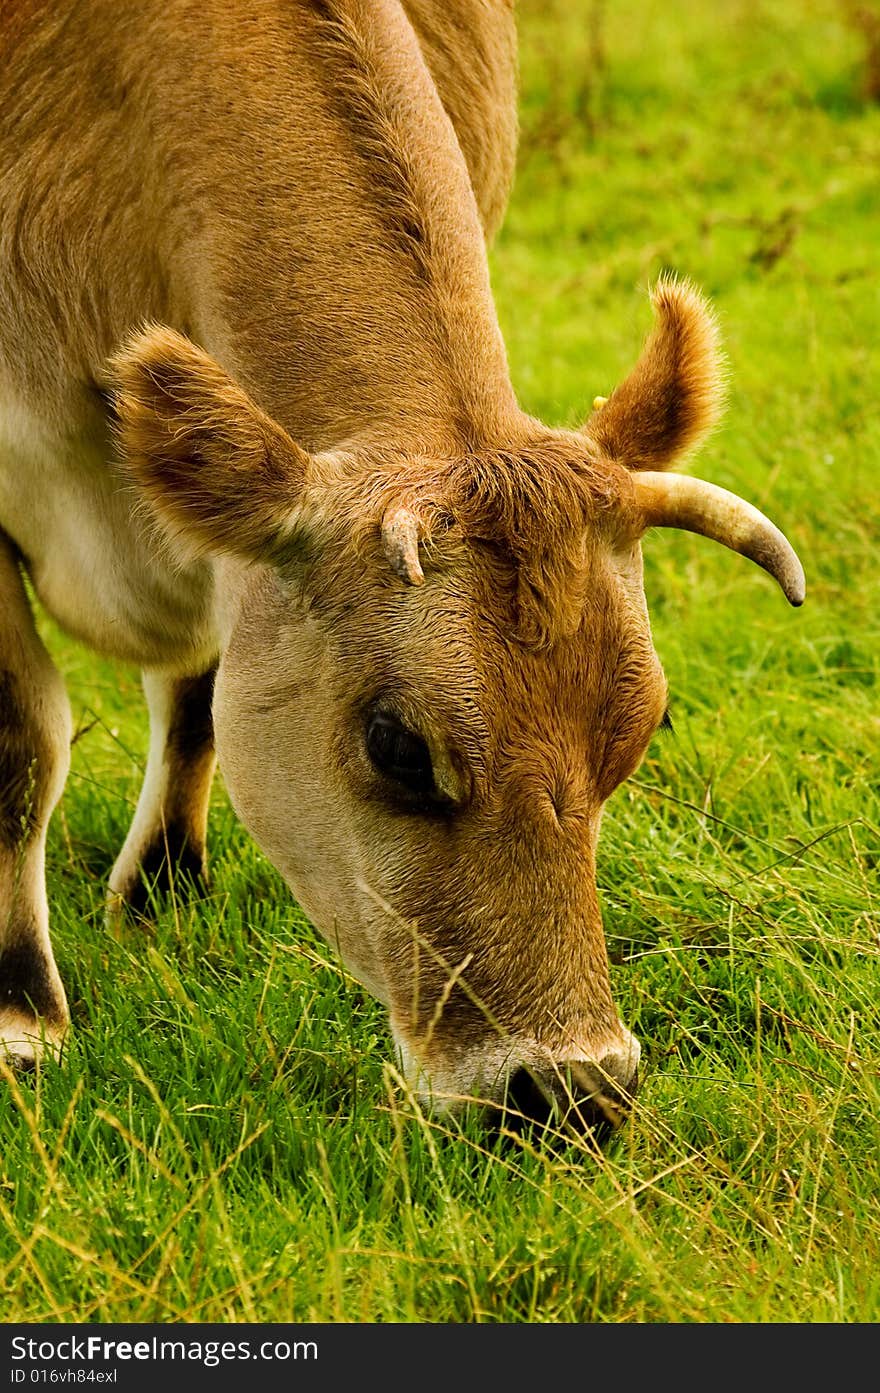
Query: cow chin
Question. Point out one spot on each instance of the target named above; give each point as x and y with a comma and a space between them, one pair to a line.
517, 1084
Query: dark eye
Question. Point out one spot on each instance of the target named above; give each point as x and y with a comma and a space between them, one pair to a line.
399, 753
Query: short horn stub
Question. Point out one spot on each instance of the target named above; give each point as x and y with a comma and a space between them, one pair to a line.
400, 542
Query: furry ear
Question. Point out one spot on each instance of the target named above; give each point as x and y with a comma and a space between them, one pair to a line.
673, 396
219, 474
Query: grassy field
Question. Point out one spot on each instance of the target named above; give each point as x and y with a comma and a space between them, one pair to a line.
226, 1139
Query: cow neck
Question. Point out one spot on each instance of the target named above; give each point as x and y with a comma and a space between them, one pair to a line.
351, 287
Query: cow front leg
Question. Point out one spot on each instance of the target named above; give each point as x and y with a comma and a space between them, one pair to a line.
168, 833
34, 759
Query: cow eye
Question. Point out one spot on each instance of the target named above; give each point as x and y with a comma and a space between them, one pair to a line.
399, 753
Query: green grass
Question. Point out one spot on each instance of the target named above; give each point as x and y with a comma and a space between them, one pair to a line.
226, 1139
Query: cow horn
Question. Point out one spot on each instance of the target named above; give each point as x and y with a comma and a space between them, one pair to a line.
676, 500
400, 542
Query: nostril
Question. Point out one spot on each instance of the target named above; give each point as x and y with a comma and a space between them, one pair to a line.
577, 1096
529, 1096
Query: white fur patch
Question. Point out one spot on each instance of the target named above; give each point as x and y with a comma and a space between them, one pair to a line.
92, 555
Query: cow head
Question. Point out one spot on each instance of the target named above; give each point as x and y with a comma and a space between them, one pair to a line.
434, 673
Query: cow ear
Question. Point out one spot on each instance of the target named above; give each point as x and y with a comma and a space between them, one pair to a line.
219, 474
673, 396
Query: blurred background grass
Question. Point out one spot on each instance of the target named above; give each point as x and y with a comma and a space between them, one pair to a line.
226, 1140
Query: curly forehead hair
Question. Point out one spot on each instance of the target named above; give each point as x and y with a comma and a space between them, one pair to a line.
533, 508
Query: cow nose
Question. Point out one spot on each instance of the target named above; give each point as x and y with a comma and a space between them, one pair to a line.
579, 1096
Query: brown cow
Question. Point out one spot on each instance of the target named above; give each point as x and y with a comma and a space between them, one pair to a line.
424, 608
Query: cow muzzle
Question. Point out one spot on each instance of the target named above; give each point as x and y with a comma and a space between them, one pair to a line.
521, 1089
572, 1096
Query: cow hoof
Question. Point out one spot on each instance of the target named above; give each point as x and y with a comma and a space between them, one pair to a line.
137, 893
27, 1043
165, 868
116, 909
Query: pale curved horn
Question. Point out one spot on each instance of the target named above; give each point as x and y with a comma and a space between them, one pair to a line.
400, 542
676, 500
